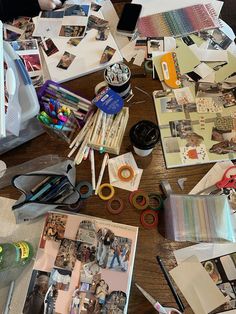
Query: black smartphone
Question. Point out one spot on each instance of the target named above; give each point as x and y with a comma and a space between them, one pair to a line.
129, 17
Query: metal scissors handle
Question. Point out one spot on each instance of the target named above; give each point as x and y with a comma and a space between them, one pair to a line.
227, 181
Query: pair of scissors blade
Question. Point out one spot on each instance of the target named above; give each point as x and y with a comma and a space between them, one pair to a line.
210, 190
154, 303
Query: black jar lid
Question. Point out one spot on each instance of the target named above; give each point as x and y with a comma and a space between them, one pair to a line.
144, 134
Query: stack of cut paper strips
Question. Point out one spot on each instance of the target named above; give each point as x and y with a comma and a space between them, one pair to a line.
196, 65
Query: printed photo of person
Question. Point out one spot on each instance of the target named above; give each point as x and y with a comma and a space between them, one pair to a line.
66, 60
60, 278
50, 299
79, 10
72, 31
101, 292
37, 290
76, 300
105, 238
67, 253
86, 252
107, 54
119, 254
116, 302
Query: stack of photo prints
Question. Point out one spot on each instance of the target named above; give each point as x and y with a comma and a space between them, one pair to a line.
83, 265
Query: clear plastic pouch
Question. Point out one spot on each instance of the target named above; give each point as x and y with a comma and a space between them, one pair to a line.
199, 218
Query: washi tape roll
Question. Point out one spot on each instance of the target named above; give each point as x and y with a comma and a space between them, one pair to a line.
142, 201
109, 196
148, 66
144, 197
125, 173
86, 184
149, 212
112, 209
157, 199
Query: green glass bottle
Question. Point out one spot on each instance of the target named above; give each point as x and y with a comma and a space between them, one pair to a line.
15, 255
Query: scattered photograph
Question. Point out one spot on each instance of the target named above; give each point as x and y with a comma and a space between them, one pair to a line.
89, 303
211, 268
193, 139
56, 14
154, 44
180, 128
72, 31
115, 302
101, 292
28, 34
105, 238
207, 89
10, 35
184, 96
21, 22
54, 228
79, 10
92, 268
18, 45
38, 287
107, 54
229, 266
60, 278
96, 22
171, 145
228, 99
66, 60
32, 63
119, 253
49, 47
217, 135
170, 104
228, 291
74, 41
86, 232
67, 254
75, 303
163, 93
95, 7
86, 252
219, 40
102, 34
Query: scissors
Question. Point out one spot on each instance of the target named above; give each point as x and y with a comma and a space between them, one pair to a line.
227, 181
161, 309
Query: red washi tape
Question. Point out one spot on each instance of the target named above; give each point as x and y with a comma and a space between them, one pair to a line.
112, 209
144, 222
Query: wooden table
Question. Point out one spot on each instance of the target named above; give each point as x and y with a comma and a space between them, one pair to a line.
147, 272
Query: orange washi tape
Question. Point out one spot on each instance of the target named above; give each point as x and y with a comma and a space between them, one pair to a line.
125, 173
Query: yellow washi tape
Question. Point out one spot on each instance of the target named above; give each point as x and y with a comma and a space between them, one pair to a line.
106, 197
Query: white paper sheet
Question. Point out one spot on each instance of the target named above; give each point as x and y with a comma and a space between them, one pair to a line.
197, 286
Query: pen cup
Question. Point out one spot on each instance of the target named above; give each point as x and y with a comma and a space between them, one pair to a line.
64, 130
117, 77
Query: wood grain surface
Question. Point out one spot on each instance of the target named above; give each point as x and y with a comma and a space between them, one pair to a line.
147, 272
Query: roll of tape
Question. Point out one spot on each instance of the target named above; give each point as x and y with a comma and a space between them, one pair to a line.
143, 196
148, 66
146, 224
156, 197
114, 210
99, 87
142, 202
82, 184
106, 197
122, 173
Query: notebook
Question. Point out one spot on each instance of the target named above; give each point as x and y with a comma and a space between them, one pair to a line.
84, 263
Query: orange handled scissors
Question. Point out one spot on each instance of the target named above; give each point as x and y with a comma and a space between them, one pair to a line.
227, 181
161, 309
